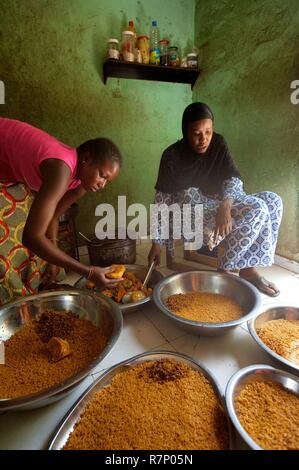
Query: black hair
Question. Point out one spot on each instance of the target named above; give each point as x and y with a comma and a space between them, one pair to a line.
195, 112
101, 150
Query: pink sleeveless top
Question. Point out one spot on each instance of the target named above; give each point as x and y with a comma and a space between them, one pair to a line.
24, 147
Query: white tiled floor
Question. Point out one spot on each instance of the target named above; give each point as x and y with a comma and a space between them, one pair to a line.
222, 355
146, 330
138, 335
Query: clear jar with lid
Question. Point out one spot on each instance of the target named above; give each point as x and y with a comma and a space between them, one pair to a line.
163, 46
128, 46
192, 61
137, 56
184, 61
143, 46
112, 49
173, 56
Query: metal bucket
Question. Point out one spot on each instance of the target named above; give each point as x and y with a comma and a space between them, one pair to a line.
107, 252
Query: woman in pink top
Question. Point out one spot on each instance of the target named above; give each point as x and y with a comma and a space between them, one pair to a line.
32, 160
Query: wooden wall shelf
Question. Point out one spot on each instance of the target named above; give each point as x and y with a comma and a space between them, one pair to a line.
120, 69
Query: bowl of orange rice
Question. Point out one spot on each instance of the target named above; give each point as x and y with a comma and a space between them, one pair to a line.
51, 342
276, 331
159, 400
263, 405
207, 303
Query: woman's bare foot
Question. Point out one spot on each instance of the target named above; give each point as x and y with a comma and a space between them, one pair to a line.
228, 271
263, 285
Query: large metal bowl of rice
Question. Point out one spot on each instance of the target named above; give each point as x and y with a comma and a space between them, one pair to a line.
146, 414
103, 317
233, 287
277, 339
263, 403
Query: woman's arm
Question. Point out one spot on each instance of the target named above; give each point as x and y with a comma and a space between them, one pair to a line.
231, 189
65, 202
55, 176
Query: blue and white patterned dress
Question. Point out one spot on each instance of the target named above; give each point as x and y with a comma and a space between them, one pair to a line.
256, 220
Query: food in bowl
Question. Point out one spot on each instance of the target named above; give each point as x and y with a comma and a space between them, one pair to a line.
162, 404
282, 336
117, 271
131, 284
269, 414
47, 351
204, 307
58, 348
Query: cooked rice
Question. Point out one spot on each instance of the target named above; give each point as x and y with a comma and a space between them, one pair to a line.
270, 415
204, 307
29, 367
156, 405
282, 336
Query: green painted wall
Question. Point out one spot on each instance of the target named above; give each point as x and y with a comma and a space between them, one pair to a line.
249, 56
51, 63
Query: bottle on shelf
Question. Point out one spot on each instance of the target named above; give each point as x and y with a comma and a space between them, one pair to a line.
163, 46
131, 27
154, 44
173, 56
143, 46
128, 46
192, 61
112, 49
192, 58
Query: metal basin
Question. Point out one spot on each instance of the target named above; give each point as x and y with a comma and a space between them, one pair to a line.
141, 272
246, 295
67, 424
274, 312
255, 373
99, 310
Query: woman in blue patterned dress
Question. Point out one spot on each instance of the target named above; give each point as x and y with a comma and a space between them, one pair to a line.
199, 169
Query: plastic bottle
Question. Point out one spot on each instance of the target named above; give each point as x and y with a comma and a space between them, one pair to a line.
132, 28
154, 44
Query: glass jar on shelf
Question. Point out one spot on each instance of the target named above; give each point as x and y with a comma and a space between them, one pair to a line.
112, 49
128, 46
137, 56
184, 61
143, 46
163, 46
173, 56
192, 61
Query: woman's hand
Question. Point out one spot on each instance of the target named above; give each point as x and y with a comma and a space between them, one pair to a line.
98, 277
154, 254
50, 274
223, 219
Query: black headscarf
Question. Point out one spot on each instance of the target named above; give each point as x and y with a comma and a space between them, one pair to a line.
181, 167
